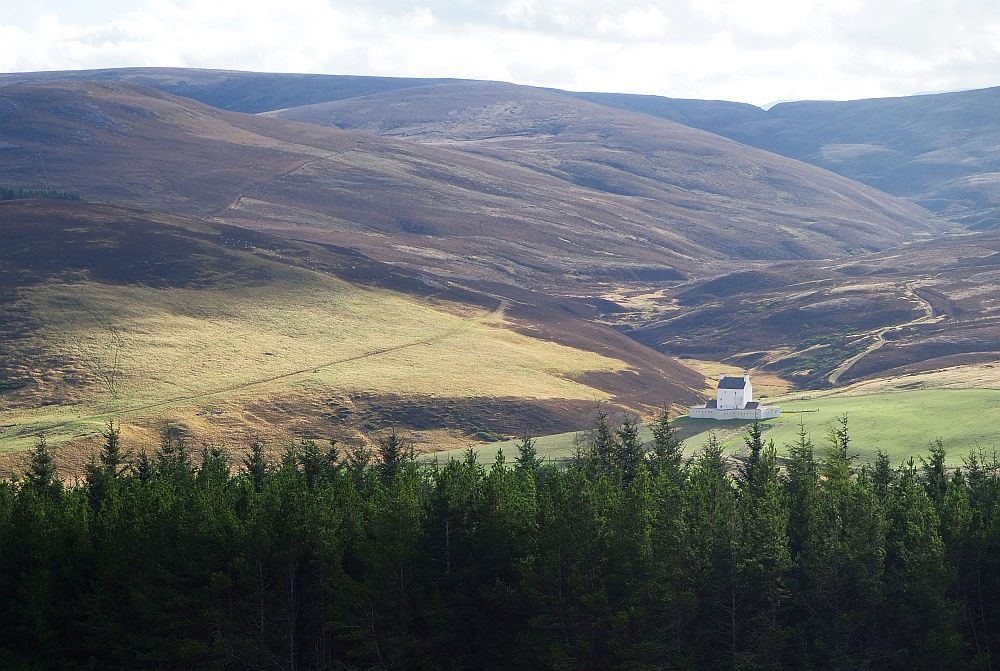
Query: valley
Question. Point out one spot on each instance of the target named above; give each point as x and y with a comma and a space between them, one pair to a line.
291, 256
921, 306
938, 150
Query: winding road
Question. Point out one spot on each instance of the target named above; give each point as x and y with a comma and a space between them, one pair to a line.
879, 334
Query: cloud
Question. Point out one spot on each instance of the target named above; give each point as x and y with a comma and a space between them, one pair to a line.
729, 49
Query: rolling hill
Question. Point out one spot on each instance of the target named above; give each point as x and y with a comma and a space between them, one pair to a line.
656, 200
938, 150
227, 334
235, 90
724, 196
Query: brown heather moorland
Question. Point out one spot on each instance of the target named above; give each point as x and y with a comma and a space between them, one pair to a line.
532, 209
923, 306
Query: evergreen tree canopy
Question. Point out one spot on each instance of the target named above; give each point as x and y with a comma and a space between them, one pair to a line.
625, 558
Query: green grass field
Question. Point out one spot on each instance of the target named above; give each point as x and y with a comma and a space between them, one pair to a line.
900, 423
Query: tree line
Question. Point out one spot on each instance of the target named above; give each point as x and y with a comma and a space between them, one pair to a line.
631, 556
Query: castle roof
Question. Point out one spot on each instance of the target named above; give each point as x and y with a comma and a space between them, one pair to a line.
733, 382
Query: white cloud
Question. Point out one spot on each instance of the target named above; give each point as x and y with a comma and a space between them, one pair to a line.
731, 49
634, 24
518, 11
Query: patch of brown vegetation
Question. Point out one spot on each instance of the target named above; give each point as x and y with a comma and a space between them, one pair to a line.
926, 304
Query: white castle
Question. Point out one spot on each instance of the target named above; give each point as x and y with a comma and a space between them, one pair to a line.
734, 400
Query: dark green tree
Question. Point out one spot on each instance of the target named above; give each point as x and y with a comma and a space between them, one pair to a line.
935, 472
667, 450
628, 450
110, 464
882, 475
41, 477
753, 439
256, 466
318, 465
601, 445
527, 460
916, 579
394, 455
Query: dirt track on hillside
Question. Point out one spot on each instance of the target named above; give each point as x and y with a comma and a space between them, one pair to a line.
495, 313
879, 334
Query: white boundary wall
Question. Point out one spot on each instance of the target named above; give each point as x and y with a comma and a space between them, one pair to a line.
762, 412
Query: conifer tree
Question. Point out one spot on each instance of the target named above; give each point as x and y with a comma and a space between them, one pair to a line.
935, 475
112, 457
667, 451
527, 460
882, 475
394, 456
753, 438
628, 449
256, 466
801, 484
142, 466
917, 575
318, 466
764, 556
602, 447
41, 475
711, 520
109, 465
173, 461
837, 464
214, 467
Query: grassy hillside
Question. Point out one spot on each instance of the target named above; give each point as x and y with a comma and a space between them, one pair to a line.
154, 319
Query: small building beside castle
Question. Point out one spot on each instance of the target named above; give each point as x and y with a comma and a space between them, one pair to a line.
734, 400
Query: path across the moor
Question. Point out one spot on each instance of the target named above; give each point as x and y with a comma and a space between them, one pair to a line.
879, 334
315, 368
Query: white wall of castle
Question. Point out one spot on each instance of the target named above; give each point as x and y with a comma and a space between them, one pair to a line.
734, 399
729, 399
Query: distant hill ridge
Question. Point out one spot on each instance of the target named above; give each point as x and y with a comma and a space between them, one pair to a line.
518, 185
937, 150
235, 90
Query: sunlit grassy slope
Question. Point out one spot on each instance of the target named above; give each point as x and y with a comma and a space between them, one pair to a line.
187, 348
901, 423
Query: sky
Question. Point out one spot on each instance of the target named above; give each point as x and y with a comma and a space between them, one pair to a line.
755, 51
